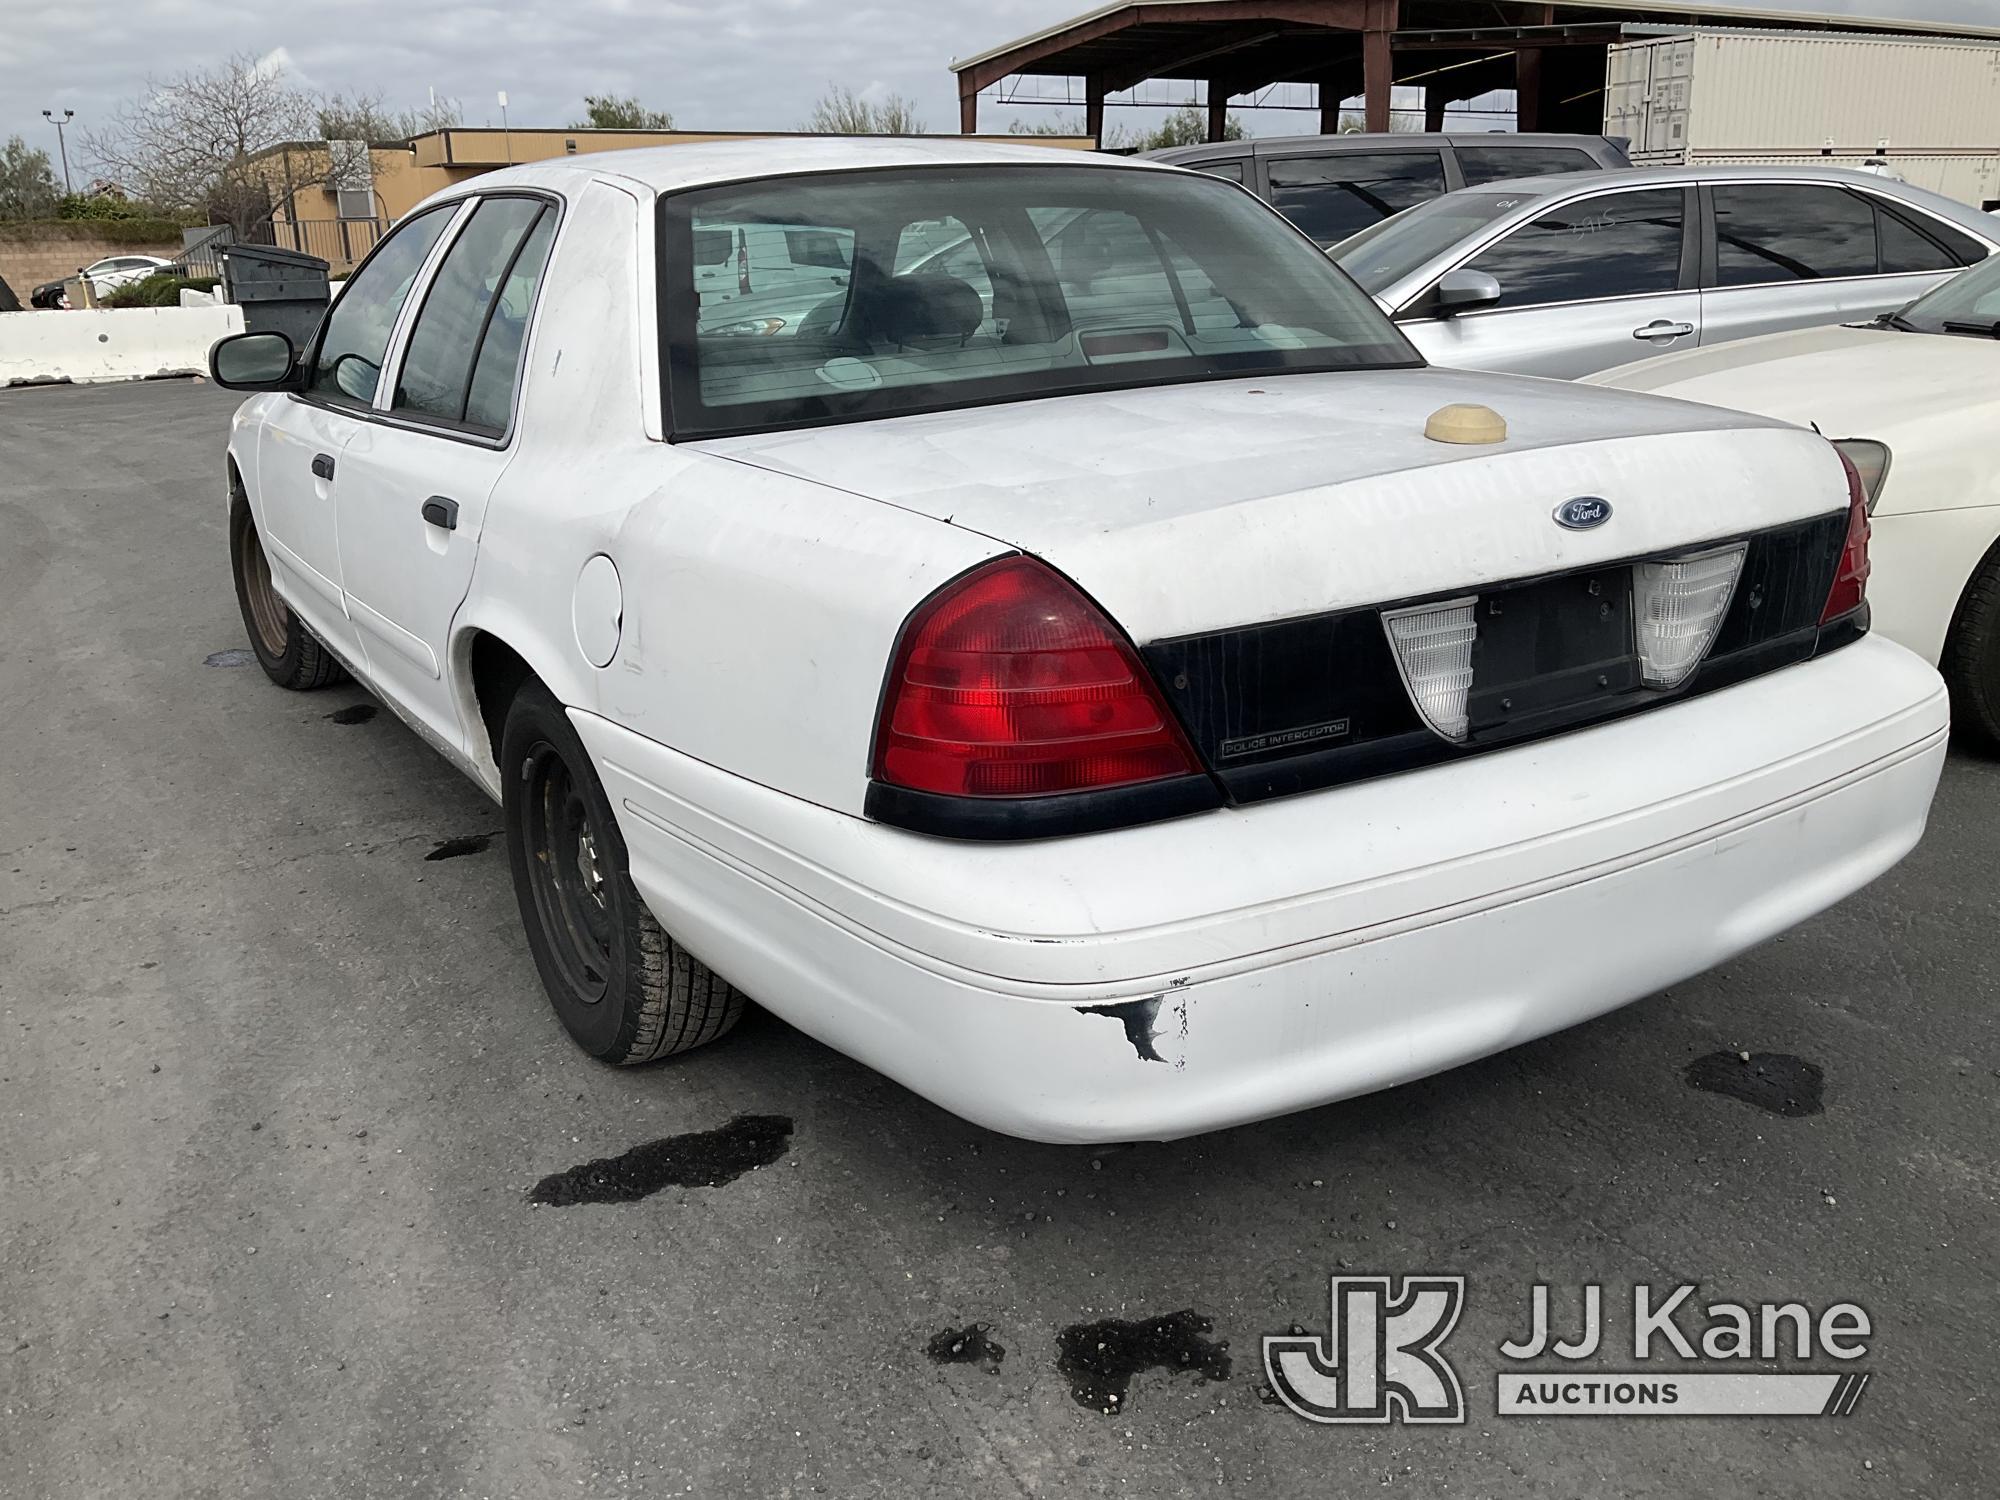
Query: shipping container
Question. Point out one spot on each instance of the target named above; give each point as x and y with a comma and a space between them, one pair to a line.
1928, 108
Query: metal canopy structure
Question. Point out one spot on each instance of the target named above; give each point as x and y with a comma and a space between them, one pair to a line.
1551, 54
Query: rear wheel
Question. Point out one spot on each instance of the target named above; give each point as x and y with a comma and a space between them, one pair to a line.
623, 989
1971, 661
286, 649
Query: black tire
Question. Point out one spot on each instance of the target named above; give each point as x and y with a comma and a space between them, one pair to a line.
289, 653
624, 990
1971, 662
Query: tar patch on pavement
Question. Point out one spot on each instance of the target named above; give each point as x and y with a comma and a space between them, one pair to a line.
704, 1158
1777, 1081
236, 656
1100, 1359
354, 713
966, 1346
470, 843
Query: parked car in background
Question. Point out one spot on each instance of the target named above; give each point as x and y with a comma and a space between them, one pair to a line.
1332, 186
1914, 399
105, 276
8, 301
1566, 275
1134, 699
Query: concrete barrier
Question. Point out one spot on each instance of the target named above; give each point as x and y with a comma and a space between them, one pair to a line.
117, 343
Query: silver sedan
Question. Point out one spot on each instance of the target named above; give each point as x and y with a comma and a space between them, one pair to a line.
1571, 274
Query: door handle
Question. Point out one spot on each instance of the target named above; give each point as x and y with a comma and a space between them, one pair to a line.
323, 465
441, 513
1660, 328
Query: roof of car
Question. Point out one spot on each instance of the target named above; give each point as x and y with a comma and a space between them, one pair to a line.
672, 168
1553, 183
1359, 140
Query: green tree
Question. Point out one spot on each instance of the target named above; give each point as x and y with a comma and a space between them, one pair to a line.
620, 112
1188, 126
841, 111
27, 182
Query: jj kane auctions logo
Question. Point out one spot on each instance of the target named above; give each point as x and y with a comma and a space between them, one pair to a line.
1384, 1360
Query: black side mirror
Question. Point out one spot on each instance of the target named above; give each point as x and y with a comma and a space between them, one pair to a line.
1464, 291
253, 362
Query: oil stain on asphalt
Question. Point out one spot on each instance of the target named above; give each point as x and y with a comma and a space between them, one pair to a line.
470, 843
1100, 1359
236, 656
1777, 1081
354, 713
703, 1158
970, 1345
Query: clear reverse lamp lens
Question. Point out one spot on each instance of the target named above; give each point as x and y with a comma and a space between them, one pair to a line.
1679, 604
1433, 646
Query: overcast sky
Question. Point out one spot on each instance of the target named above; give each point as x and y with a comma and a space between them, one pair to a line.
742, 64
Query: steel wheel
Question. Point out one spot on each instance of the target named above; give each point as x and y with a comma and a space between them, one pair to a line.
268, 616
566, 871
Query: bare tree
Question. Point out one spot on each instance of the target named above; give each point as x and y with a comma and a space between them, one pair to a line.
187, 143
364, 117
1115, 136
841, 111
620, 112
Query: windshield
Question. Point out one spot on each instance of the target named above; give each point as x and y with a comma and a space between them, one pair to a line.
1383, 254
1970, 297
837, 296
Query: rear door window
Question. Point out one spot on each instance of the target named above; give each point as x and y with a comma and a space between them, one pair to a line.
1779, 231
1331, 197
1483, 164
464, 305
1612, 245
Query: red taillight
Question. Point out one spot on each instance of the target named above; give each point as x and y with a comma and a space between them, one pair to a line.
1850, 581
1010, 683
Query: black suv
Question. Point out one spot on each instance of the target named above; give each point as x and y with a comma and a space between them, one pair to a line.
1332, 186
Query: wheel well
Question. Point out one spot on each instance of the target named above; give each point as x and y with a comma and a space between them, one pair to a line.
498, 671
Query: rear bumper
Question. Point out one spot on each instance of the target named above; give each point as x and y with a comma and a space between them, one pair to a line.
1184, 976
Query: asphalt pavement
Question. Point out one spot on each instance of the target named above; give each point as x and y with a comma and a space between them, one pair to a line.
279, 1094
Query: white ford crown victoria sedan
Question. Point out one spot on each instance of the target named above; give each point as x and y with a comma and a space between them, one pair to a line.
1045, 633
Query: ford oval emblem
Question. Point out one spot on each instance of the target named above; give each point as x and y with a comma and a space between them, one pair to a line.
1582, 513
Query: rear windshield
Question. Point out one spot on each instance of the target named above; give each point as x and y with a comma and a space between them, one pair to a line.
1970, 299
844, 296
1383, 254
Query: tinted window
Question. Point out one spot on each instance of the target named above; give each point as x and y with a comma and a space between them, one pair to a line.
1613, 245
437, 366
1776, 231
999, 284
1491, 163
348, 364
491, 400
1903, 249
1330, 197
1233, 170
812, 247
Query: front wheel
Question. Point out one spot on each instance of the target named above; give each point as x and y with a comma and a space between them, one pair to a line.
624, 990
286, 649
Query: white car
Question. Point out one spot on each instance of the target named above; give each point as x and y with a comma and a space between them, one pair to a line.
1111, 729
1914, 399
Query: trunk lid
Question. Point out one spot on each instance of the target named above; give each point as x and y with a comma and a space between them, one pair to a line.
1199, 507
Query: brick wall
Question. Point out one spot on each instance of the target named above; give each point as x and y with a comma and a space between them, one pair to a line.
31, 254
